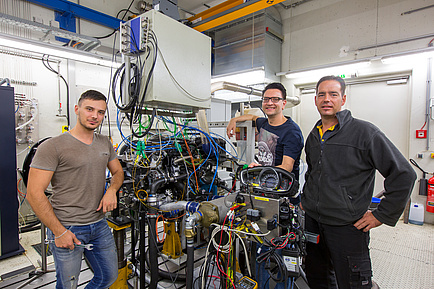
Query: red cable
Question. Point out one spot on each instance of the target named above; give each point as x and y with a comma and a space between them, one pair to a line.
21, 193
423, 125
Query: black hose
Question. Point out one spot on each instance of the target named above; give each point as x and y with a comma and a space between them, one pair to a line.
158, 183
142, 246
190, 263
154, 112
153, 251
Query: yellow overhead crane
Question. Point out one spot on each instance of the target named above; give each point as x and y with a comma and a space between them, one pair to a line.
227, 12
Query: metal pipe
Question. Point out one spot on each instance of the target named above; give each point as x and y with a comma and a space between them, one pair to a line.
43, 248
127, 78
223, 85
417, 10
174, 206
396, 42
119, 236
58, 88
428, 100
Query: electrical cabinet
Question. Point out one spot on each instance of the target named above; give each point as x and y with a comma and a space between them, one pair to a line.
181, 78
9, 242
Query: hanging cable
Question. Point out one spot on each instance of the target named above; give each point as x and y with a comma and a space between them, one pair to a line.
47, 65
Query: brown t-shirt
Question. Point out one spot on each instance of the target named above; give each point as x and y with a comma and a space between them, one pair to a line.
79, 176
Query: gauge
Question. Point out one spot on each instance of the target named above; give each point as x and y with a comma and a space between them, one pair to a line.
284, 184
269, 181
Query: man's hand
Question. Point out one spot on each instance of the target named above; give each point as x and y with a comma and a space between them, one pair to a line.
67, 240
230, 129
254, 165
367, 222
108, 202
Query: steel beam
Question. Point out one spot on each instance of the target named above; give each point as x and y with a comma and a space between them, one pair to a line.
64, 6
223, 7
233, 13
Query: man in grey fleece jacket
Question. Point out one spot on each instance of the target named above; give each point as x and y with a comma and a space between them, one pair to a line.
343, 154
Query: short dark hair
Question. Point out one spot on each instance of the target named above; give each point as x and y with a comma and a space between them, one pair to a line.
92, 95
275, 85
332, 77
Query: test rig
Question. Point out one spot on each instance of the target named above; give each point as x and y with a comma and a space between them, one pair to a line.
186, 223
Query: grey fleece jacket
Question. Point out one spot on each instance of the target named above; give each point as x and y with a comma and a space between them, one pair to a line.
340, 176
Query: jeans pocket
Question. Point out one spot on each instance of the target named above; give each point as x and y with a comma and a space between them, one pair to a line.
361, 272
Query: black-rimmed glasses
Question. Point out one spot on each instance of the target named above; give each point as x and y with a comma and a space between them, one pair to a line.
273, 99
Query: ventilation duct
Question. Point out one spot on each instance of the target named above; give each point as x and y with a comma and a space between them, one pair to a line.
249, 43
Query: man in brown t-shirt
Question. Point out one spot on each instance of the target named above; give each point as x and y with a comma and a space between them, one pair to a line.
75, 163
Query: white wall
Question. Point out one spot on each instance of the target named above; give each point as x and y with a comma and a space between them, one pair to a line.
317, 32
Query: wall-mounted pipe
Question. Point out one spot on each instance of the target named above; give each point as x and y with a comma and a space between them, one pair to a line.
223, 85
428, 100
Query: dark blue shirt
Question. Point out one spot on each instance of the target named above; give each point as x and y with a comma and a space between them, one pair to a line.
274, 142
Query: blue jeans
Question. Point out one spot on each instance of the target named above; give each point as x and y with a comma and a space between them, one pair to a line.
102, 258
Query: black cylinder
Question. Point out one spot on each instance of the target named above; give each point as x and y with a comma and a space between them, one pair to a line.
190, 263
153, 251
142, 246
423, 187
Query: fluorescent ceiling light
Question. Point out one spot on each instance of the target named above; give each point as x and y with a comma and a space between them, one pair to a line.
34, 46
344, 70
246, 77
397, 81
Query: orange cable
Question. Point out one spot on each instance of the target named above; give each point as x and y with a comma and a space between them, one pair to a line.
192, 162
156, 229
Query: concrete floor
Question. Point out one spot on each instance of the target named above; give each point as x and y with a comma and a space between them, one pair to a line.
402, 258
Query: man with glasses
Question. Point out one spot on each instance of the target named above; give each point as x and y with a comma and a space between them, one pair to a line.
343, 154
280, 140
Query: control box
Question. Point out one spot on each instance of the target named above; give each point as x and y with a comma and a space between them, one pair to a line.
180, 77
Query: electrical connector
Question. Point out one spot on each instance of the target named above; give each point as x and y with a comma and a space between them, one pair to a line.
253, 214
255, 226
271, 224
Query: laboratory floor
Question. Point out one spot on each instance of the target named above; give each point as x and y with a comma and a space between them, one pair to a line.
402, 258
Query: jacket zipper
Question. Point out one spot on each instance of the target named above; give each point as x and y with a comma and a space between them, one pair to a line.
319, 180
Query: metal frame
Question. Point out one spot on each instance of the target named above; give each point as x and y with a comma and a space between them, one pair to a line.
70, 8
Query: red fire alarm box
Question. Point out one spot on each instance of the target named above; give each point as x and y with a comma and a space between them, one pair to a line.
421, 133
